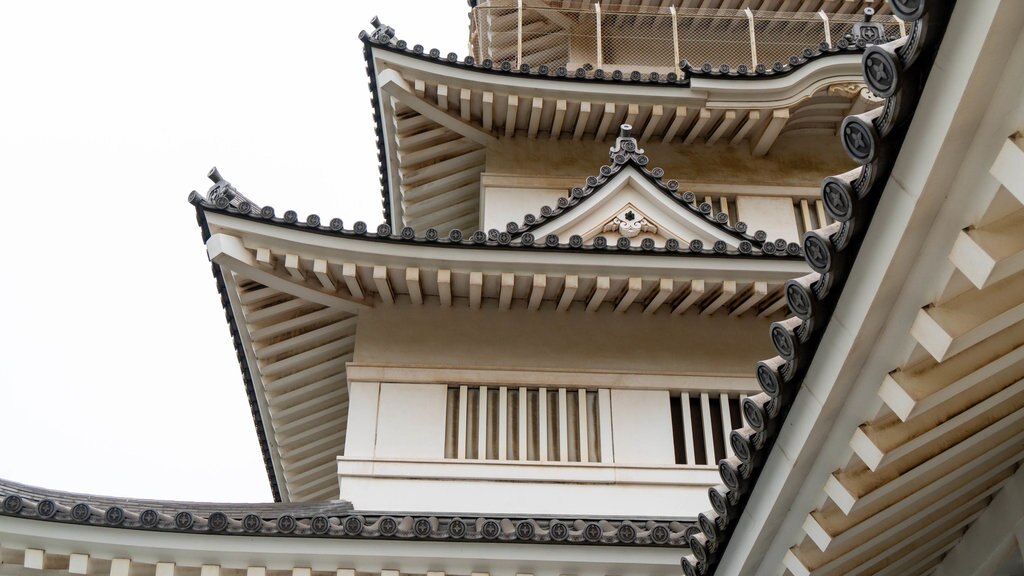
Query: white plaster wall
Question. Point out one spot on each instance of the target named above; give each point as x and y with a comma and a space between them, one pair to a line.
503, 205
361, 432
775, 216
497, 497
642, 427
410, 422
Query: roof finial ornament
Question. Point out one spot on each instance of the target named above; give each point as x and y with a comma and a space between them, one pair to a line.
868, 32
222, 194
625, 145
382, 33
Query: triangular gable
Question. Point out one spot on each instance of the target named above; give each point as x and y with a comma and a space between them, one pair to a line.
626, 179
630, 190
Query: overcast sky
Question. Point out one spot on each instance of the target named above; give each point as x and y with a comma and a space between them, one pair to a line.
118, 372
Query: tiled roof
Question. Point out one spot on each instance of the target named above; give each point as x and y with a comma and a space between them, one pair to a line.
627, 152
382, 37
329, 519
896, 71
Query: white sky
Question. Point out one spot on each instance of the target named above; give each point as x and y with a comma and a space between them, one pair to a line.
118, 372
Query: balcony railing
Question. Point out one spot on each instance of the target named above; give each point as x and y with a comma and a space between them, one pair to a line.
613, 37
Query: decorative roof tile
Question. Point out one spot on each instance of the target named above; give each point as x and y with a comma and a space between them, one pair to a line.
522, 239
335, 519
898, 71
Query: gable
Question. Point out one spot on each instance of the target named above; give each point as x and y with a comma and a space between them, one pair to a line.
629, 190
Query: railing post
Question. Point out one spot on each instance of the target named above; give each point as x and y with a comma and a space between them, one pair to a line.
753, 40
519, 33
675, 36
600, 55
828, 31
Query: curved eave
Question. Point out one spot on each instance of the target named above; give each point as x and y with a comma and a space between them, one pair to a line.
483, 250
53, 511
776, 91
874, 141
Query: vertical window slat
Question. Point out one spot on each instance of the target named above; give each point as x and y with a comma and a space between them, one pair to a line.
542, 416
522, 452
451, 424
502, 423
684, 401
604, 405
463, 401
593, 426
584, 441
723, 401
563, 432
481, 439
709, 434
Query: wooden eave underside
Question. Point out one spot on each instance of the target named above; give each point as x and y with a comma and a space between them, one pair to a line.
936, 464
296, 296
951, 433
439, 121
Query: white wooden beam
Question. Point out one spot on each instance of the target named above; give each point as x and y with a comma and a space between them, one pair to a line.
771, 132
969, 318
229, 253
757, 293
581, 121
558, 120
476, 289
412, 281
465, 95
540, 283
508, 282
568, 292
350, 276
848, 500
727, 292
1008, 167
875, 452
291, 264
79, 564
753, 117
442, 97
487, 112
632, 111
989, 254
536, 110
657, 111
122, 567
444, 287
989, 542
601, 287
383, 284
677, 123
724, 127
606, 122
703, 117
391, 82
511, 113
695, 292
265, 259
33, 559
324, 275
665, 288
632, 291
